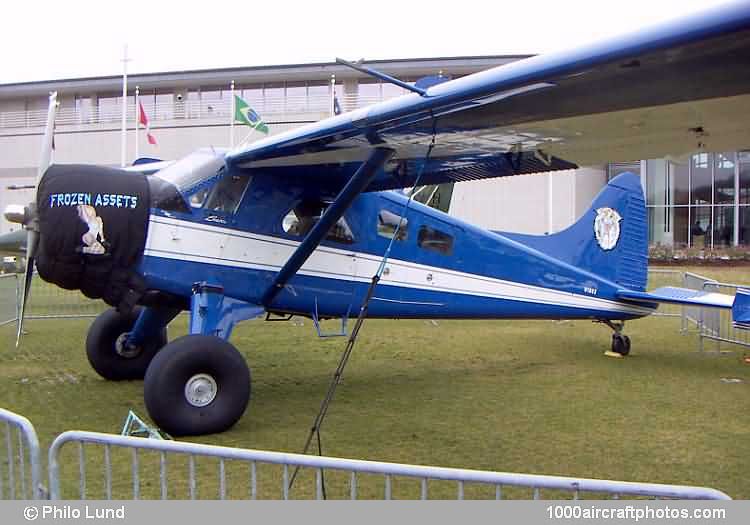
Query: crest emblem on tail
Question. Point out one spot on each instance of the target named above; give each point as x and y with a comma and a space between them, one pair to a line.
607, 228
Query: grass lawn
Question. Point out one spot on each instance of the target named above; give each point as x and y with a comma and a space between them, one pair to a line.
518, 396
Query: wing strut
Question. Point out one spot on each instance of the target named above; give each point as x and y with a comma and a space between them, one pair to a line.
356, 185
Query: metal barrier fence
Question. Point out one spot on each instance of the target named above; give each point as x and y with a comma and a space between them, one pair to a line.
712, 323
658, 277
50, 302
20, 459
9, 290
350, 483
46, 301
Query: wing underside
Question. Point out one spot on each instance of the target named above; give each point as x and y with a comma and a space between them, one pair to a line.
668, 90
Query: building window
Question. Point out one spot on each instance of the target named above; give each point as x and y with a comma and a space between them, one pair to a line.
435, 240
615, 169
84, 109
701, 204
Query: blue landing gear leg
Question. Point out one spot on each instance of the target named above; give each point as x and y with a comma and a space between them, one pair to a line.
121, 346
200, 384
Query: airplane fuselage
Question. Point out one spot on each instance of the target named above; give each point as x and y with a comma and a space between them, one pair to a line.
440, 267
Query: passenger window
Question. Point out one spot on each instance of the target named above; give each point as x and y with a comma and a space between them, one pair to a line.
435, 240
388, 223
300, 220
198, 198
227, 193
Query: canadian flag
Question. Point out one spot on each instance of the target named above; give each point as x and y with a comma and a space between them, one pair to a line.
143, 120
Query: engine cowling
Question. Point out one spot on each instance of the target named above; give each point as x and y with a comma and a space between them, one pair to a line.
93, 223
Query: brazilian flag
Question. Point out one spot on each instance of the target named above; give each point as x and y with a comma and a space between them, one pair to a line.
244, 114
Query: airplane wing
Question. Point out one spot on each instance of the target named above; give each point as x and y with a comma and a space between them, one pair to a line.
665, 90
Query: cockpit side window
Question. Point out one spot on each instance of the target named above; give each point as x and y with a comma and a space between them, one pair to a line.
389, 223
435, 240
227, 193
300, 220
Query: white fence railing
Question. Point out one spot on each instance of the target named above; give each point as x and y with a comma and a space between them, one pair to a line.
159, 112
321, 466
46, 301
713, 324
20, 459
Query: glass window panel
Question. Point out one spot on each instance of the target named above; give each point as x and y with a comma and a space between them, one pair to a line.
621, 167
193, 106
227, 193
84, 107
680, 182
723, 226
300, 220
164, 109
657, 183
660, 225
388, 222
744, 156
368, 93
724, 178
251, 95
392, 90
744, 233
296, 97
700, 230
210, 101
680, 226
319, 97
435, 240
110, 108
700, 180
744, 183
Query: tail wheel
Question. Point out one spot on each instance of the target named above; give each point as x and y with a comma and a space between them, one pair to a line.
107, 352
620, 344
196, 385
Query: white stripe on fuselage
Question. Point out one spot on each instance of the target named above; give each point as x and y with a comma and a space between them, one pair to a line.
197, 242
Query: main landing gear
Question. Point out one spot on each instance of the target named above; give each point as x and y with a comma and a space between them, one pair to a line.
110, 353
196, 384
620, 341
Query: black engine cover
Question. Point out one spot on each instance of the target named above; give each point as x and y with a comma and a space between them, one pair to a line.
93, 223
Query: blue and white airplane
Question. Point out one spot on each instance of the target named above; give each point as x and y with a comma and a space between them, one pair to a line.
305, 222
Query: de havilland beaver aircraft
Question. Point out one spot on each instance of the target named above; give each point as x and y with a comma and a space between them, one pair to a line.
305, 222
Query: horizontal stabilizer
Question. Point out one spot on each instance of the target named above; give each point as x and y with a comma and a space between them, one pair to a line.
740, 303
671, 294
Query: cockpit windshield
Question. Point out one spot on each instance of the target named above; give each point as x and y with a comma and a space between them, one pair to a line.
193, 169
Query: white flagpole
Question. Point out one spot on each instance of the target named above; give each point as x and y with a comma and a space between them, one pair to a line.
124, 131
333, 95
137, 122
231, 117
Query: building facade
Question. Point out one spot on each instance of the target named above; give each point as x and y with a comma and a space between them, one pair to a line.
702, 201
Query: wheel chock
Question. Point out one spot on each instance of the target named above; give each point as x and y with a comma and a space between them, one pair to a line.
610, 353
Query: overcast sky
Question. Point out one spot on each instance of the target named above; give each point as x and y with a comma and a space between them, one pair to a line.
43, 40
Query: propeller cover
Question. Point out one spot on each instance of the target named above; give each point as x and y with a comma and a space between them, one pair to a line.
93, 223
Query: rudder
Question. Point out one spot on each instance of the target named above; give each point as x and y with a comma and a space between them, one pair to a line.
619, 251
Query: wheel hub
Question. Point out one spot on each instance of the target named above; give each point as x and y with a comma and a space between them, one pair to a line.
201, 390
125, 350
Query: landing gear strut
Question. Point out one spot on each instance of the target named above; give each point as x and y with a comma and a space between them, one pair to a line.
620, 341
199, 383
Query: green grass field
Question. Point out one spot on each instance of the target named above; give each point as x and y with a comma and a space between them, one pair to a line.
532, 396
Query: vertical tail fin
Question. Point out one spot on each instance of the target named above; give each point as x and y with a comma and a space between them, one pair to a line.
610, 239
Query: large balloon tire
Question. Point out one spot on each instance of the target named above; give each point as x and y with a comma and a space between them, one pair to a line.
101, 346
176, 366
